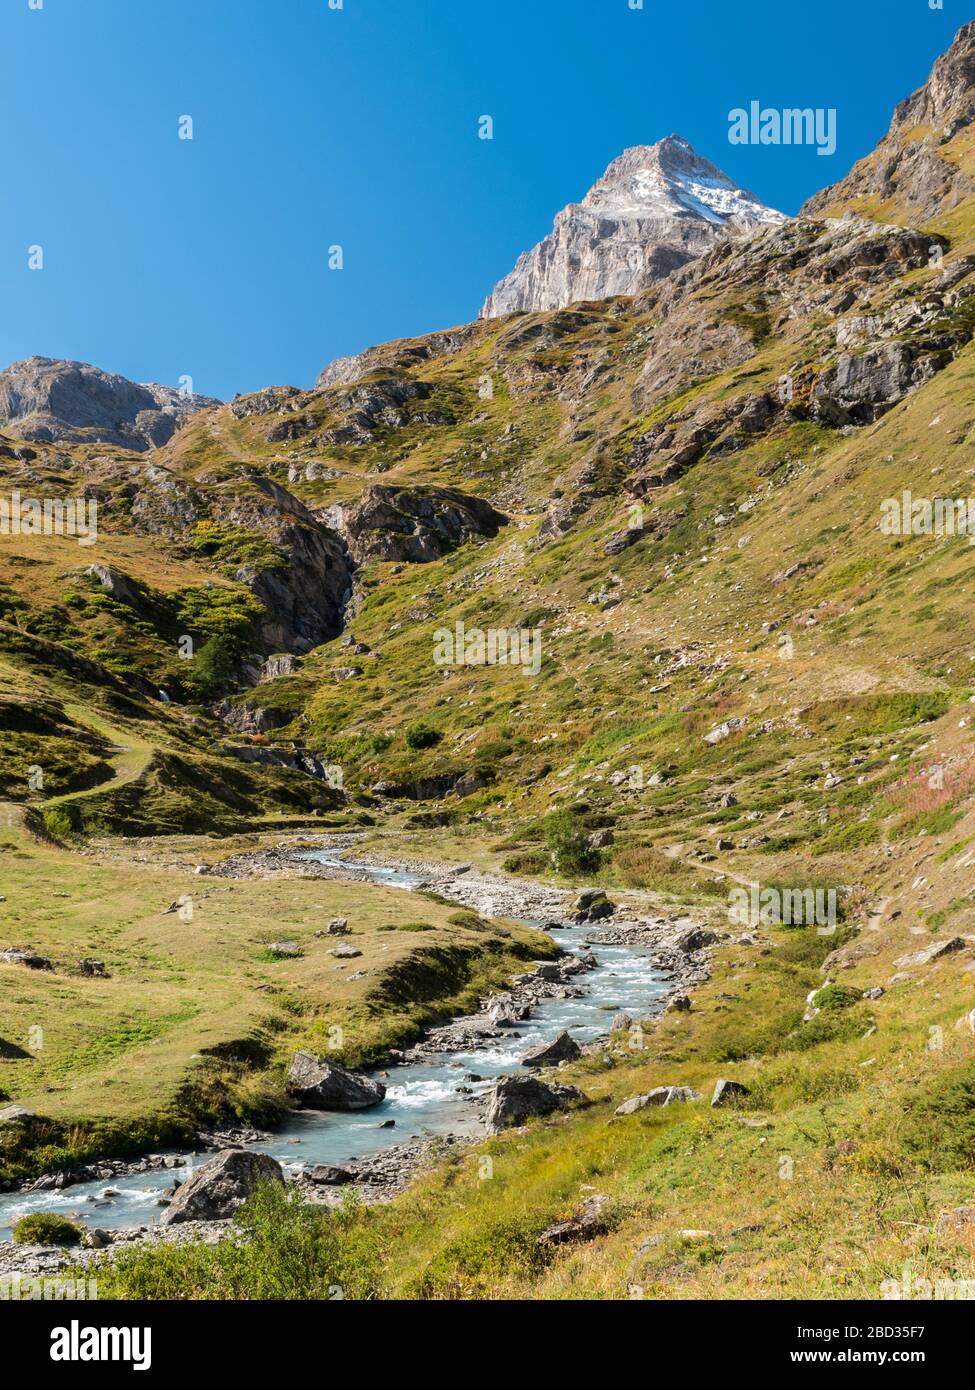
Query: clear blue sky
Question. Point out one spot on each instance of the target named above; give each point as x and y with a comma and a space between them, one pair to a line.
358, 126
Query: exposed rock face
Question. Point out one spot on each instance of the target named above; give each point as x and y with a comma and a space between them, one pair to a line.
51, 400
908, 171
414, 524
516, 1099
216, 1190
306, 596
325, 1085
861, 388
655, 208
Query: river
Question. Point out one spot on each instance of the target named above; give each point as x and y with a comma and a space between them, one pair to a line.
422, 1098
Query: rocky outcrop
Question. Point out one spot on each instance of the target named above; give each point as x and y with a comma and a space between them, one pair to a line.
860, 388
53, 400
216, 1190
655, 208
323, 1085
516, 1099
415, 524
913, 171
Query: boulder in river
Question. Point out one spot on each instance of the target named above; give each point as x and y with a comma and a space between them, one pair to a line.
223, 1184
323, 1085
592, 905
516, 1099
562, 1049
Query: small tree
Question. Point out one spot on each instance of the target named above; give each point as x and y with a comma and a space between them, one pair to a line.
214, 668
568, 845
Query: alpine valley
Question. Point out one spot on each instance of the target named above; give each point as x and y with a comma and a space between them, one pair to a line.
524, 781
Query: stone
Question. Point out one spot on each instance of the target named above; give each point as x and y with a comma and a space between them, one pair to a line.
216, 1190
16, 1115
516, 1099
27, 956
722, 731
679, 1004
345, 952
323, 1085
660, 1095
339, 926
727, 1092
285, 948
588, 1222
957, 1219
329, 1175
562, 1049
621, 1022
934, 952
93, 968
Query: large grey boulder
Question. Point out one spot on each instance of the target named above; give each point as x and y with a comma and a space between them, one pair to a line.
727, 1092
516, 1099
562, 1049
323, 1085
216, 1190
934, 952
660, 1095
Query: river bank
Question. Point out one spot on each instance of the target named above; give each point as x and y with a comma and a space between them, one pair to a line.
625, 966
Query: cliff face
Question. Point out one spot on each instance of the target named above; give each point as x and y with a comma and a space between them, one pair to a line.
655, 208
52, 401
923, 166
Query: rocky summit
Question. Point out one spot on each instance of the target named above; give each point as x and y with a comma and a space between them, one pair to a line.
655, 208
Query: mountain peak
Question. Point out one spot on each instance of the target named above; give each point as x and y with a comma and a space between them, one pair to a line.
51, 399
655, 208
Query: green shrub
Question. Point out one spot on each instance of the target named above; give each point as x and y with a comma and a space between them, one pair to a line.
472, 1264
527, 862
46, 1228
832, 997
282, 1250
57, 823
419, 735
